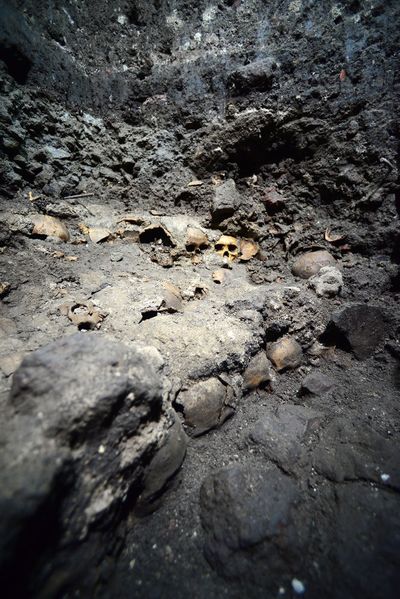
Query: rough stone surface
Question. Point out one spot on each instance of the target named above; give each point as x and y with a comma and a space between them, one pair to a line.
226, 201
280, 436
248, 517
361, 454
359, 328
96, 446
328, 282
316, 383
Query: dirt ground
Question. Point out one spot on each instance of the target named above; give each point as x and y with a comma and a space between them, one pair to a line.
265, 456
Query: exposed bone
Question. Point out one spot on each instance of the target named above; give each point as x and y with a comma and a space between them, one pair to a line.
248, 249
285, 353
196, 240
49, 226
331, 238
227, 247
85, 315
156, 234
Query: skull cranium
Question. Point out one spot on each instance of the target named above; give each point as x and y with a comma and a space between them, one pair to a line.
196, 240
227, 247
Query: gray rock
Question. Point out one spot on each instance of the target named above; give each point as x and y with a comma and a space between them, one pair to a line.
57, 153
226, 200
361, 454
206, 405
358, 327
88, 426
258, 373
255, 75
328, 282
280, 435
248, 516
316, 383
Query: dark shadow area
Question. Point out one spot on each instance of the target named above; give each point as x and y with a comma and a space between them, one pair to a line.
18, 65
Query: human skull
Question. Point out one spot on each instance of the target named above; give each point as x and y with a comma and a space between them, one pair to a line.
196, 240
228, 247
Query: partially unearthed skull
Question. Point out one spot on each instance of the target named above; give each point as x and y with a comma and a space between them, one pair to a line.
196, 240
228, 247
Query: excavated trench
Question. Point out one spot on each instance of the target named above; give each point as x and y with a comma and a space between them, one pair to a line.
199, 295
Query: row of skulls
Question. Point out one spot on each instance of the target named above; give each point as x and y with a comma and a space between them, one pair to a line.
196, 241
228, 247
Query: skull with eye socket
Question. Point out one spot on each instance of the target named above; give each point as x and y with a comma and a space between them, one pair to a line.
196, 240
227, 247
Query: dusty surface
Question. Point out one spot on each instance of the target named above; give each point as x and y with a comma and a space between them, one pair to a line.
272, 124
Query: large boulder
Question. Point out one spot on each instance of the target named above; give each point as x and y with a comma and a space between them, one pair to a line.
252, 525
358, 327
88, 436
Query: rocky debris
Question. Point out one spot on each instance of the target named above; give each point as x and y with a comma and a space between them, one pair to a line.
259, 372
328, 282
250, 521
316, 383
273, 200
206, 405
281, 435
256, 75
286, 353
362, 453
89, 433
310, 263
49, 226
225, 202
359, 328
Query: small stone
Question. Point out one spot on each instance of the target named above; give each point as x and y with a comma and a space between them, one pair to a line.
226, 201
328, 282
298, 586
273, 200
316, 383
385, 478
310, 263
285, 353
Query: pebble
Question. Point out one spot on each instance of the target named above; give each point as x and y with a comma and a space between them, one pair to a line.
116, 257
385, 477
298, 586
